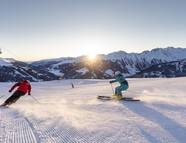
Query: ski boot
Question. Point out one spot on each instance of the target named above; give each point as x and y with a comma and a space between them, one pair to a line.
117, 96
113, 96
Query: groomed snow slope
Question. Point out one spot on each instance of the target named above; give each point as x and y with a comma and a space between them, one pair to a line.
68, 115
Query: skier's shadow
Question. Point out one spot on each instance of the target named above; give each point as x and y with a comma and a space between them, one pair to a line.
172, 127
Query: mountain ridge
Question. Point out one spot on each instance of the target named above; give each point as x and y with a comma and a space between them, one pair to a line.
103, 66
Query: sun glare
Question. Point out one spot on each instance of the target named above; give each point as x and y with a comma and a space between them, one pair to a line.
91, 56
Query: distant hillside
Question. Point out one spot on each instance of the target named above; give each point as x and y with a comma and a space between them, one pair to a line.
105, 65
160, 62
12, 70
168, 70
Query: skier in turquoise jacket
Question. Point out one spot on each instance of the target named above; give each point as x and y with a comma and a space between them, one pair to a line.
123, 85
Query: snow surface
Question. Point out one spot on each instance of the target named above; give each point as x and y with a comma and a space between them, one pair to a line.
82, 71
74, 115
56, 72
5, 62
109, 72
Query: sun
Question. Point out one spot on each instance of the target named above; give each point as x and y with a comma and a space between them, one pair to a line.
92, 56
91, 52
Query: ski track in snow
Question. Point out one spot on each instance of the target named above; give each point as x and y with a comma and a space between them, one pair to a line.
15, 128
68, 115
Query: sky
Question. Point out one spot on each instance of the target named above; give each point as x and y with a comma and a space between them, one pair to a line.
41, 29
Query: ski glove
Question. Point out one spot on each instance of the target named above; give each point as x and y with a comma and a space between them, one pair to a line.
29, 94
10, 90
111, 81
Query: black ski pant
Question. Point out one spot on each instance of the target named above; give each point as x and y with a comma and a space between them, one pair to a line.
15, 96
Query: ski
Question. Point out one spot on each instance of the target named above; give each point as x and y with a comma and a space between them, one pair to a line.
104, 96
110, 98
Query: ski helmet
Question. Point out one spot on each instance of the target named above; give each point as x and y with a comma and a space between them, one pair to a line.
117, 73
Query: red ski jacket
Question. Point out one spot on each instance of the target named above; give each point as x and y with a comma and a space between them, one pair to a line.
23, 86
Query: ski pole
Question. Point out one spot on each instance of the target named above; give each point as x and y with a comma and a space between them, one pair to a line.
34, 99
2, 96
112, 88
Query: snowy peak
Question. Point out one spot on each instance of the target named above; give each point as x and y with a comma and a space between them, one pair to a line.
103, 67
165, 70
164, 54
12, 70
53, 61
6, 61
116, 55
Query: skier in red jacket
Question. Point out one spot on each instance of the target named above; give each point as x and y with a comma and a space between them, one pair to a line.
22, 90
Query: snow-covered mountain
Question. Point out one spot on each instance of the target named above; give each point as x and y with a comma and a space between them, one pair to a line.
12, 70
102, 67
170, 69
5, 62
